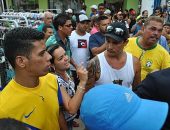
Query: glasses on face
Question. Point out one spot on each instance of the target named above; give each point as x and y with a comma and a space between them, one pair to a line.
68, 25
117, 31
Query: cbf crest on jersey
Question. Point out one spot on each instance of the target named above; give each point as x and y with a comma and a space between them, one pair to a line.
148, 63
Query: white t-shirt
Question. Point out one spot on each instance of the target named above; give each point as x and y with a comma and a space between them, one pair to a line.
79, 46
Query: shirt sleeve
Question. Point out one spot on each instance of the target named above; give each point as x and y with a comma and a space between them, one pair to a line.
60, 84
60, 99
163, 42
93, 42
50, 41
166, 61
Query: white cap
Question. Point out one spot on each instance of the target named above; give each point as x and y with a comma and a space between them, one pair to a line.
82, 12
107, 11
93, 6
83, 17
69, 11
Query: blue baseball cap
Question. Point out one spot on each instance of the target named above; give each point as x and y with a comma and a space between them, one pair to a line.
113, 107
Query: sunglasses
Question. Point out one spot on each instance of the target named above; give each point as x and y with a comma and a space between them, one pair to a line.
117, 31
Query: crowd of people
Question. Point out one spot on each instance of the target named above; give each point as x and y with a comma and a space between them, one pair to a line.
106, 68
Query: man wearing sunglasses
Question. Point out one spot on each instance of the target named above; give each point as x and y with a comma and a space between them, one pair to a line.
114, 65
63, 25
120, 18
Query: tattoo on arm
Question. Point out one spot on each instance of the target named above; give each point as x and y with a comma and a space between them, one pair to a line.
93, 69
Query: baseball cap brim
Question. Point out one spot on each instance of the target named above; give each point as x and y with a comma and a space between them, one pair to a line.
99, 113
85, 21
154, 120
118, 39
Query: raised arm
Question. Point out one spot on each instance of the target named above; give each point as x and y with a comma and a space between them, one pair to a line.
72, 104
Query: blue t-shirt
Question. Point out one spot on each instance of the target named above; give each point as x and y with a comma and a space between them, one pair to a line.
163, 42
96, 40
138, 27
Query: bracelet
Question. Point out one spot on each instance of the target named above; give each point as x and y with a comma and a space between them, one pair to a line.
81, 89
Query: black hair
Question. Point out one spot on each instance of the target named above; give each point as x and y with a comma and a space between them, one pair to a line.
101, 4
50, 49
44, 29
166, 24
127, 10
60, 20
84, 7
11, 124
102, 17
158, 8
19, 41
144, 12
131, 9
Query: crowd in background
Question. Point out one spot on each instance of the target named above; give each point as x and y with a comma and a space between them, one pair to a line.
81, 52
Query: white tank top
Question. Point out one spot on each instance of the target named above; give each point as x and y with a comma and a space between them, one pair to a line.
123, 76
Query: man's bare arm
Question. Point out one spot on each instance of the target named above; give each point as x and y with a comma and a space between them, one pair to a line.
137, 71
97, 50
94, 71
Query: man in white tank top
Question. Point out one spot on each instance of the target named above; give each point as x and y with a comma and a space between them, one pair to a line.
114, 65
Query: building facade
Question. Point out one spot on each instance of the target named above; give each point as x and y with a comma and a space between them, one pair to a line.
27, 5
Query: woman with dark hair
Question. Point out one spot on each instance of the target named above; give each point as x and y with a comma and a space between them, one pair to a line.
145, 13
71, 99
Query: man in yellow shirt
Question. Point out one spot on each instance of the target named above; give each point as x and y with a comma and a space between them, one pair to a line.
152, 56
32, 95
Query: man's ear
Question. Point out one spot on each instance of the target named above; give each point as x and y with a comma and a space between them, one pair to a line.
52, 68
21, 61
60, 27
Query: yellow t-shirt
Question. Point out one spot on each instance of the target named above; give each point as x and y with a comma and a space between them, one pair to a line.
37, 107
155, 58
